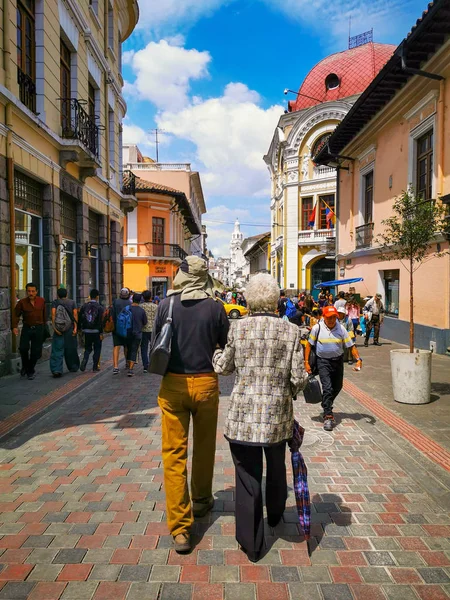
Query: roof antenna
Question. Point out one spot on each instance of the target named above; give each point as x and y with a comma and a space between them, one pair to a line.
349, 29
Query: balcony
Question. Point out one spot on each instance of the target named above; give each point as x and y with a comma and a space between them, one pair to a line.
27, 90
153, 166
364, 236
310, 237
128, 183
323, 172
78, 126
278, 244
152, 250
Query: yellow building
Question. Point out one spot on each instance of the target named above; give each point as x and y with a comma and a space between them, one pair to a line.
61, 107
303, 236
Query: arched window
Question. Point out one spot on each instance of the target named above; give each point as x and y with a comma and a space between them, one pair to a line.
332, 81
319, 144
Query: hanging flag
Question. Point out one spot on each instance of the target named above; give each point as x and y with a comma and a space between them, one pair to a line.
312, 217
330, 218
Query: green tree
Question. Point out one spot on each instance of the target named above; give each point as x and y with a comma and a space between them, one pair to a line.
410, 235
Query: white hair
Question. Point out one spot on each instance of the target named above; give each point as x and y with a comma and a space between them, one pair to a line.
262, 293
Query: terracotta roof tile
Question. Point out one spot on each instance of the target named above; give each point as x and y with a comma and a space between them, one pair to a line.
356, 68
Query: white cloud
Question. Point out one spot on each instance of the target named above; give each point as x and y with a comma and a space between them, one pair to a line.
133, 134
164, 72
231, 134
169, 15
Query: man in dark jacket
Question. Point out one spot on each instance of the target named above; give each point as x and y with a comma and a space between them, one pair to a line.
190, 387
139, 321
91, 323
119, 341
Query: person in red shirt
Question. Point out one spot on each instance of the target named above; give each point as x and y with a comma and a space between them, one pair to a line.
32, 311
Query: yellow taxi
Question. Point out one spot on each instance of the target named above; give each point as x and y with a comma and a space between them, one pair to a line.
234, 311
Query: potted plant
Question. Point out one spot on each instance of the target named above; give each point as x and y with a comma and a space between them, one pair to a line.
410, 237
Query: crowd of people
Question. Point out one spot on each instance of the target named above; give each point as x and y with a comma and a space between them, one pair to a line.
265, 353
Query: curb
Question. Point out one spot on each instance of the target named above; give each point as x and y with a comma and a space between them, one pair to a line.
15, 423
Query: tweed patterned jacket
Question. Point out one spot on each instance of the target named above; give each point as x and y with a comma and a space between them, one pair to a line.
266, 354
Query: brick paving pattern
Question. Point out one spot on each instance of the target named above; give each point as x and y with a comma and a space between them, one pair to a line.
82, 512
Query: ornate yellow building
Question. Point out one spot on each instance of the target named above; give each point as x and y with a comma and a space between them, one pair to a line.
62, 205
303, 237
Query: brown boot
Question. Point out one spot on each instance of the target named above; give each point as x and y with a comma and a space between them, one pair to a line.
182, 543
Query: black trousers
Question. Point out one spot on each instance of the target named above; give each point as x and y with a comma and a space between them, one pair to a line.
331, 373
30, 346
248, 461
92, 341
132, 348
375, 324
145, 348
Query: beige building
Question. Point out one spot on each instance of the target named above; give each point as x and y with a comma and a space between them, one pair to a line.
397, 136
61, 109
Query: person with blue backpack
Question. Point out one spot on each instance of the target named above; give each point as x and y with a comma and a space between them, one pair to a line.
134, 321
120, 325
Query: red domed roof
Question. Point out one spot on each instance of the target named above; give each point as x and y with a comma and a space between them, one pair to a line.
355, 69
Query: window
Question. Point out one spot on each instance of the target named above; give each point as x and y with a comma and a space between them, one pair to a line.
94, 238
66, 92
424, 165
28, 232
110, 27
319, 144
307, 207
112, 138
93, 4
158, 236
332, 81
392, 291
325, 201
91, 101
368, 198
26, 44
119, 51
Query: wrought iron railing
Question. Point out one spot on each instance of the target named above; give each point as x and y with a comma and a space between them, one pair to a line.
129, 183
152, 250
27, 90
77, 124
364, 235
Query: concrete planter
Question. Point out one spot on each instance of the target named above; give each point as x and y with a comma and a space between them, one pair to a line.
411, 376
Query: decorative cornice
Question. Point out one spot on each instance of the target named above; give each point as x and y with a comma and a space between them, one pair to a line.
366, 151
433, 95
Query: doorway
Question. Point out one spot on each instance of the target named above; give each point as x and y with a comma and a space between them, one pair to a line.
322, 270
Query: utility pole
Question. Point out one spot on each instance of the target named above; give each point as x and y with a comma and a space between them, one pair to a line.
157, 142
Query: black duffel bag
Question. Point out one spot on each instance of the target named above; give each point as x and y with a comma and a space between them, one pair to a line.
162, 347
313, 391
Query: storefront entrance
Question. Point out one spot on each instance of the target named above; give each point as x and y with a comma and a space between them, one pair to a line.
322, 270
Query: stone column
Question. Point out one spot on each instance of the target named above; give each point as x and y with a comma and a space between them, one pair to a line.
5, 257
82, 256
103, 264
116, 258
291, 211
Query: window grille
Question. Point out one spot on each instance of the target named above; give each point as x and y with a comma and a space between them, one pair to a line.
27, 194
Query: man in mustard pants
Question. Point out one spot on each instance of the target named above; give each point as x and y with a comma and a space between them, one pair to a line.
190, 388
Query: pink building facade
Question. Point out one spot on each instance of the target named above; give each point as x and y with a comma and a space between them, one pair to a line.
396, 136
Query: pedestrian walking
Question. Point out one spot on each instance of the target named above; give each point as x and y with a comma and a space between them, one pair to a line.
32, 311
266, 354
64, 341
329, 338
150, 310
341, 301
347, 324
138, 322
190, 388
91, 323
373, 312
281, 304
353, 312
119, 337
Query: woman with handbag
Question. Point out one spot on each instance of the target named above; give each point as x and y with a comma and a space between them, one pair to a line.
266, 354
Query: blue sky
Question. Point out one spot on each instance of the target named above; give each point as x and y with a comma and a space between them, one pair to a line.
211, 73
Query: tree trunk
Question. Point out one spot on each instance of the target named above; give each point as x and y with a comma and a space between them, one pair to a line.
411, 306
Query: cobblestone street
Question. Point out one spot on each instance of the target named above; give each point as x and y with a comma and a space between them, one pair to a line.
82, 511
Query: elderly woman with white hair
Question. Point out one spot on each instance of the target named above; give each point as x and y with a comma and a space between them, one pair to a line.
266, 354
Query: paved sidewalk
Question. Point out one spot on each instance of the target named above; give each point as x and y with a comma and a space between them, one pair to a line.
432, 419
82, 511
